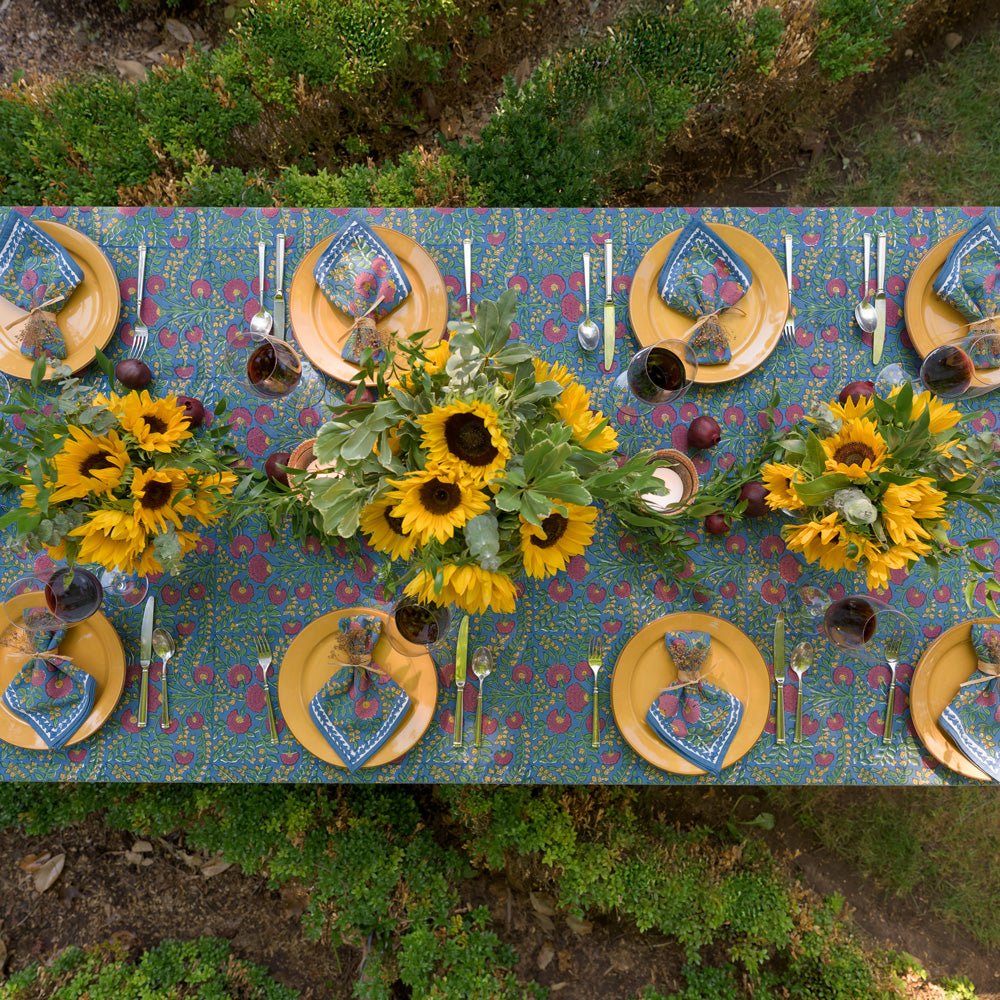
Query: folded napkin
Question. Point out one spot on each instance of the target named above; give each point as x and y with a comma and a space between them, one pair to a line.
698, 720
49, 692
358, 709
971, 717
969, 279
362, 277
703, 275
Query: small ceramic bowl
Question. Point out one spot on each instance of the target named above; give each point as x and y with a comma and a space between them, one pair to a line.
304, 457
679, 463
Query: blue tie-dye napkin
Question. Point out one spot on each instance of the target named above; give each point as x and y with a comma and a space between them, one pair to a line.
698, 720
50, 693
360, 707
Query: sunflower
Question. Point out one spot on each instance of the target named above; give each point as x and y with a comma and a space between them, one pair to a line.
780, 478
29, 496
882, 563
111, 538
111, 402
553, 371
436, 357
944, 416
469, 587
156, 424
203, 503
828, 542
590, 430
856, 450
432, 503
155, 498
385, 532
547, 549
466, 440
87, 464
855, 408
904, 506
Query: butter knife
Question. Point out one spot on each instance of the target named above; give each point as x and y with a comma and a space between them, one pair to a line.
878, 340
460, 665
279, 291
779, 675
609, 311
467, 261
145, 657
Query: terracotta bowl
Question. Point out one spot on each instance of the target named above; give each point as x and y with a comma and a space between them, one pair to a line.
678, 462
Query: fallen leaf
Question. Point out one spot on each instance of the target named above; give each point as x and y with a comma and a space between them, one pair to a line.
545, 955
545, 923
131, 69
580, 927
31, 862
542, 903
132, 858
49, 872
3, 955
556, 987
142, 847
216, 867
180, 31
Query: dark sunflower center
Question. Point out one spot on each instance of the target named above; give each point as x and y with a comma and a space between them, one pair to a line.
854, 453
440, 497
395, 523
554, 526
95, 463
156, 495
468, 438
155, 424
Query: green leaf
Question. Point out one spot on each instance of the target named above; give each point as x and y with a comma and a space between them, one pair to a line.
38, 372
815, 458
818, 490
904, 402
104, 363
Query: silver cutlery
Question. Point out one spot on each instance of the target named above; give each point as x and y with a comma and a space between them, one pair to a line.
802, 659
163, 646
264, 660
595, 657
779, 677
279, 289
894, 649
145, 657
878, 338
461, 653
609, 309
262, 321
140, 332
864, 312
482, 667
467, 257
788, 330
588, 332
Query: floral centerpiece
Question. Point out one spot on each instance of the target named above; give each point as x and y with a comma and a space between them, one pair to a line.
121, 482
871, 482
477, 463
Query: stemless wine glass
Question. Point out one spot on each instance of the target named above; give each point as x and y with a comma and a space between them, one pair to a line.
415, 628
64, 596
859, 625
270, 367
658, 374
892, 377
959, 370
129, 588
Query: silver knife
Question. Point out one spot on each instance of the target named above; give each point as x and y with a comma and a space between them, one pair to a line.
878, 340
145, 656
609, 310
279, 291
779, 675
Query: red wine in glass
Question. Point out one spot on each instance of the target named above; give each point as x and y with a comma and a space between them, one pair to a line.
73, 594
657, 375
421, 624
947, 371
273, 369
850, 622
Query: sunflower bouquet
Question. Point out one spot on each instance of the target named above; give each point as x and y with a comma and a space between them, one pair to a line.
871, 482
476, 463
120, 482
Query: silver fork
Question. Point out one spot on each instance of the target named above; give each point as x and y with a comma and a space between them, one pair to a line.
595, 657
788, 330
140, 332
893, 650
264, 662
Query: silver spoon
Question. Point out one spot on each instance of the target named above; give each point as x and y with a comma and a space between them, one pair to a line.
802, 659
588, 332
163, 646
482, 667
864, 312
262, 321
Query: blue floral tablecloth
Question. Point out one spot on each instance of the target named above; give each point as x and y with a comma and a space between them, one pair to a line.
202, 286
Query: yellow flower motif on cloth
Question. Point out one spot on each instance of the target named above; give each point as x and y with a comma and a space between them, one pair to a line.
156, 424
433, 503
828, 541
385, 532
855, 408
856, 450
547, 549
469, 587
111, 538
155, 498
87, 464
780, 479
466, 440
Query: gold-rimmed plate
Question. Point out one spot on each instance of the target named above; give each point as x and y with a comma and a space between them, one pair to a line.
312, 659
87, 320
947, 661
92, 644
644, 669
754, 326
322, 329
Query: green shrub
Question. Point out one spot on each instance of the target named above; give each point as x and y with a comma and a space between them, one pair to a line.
855, 34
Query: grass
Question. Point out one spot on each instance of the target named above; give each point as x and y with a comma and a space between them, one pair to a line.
936, 142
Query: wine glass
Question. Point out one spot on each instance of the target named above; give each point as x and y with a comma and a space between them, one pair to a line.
658, 374
128, 588
955, 371
892, 377
60, 597
861, 625
270, 367
414, 628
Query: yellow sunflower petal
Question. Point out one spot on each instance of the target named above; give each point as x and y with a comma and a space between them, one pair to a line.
465, 439
155, 424
547, 549
433, 503
856, 450
385, 532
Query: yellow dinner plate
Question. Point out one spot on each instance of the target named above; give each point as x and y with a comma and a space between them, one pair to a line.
754, 333
321, 328
947, 661
93, 645
645, 668
307, 666
87, 320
